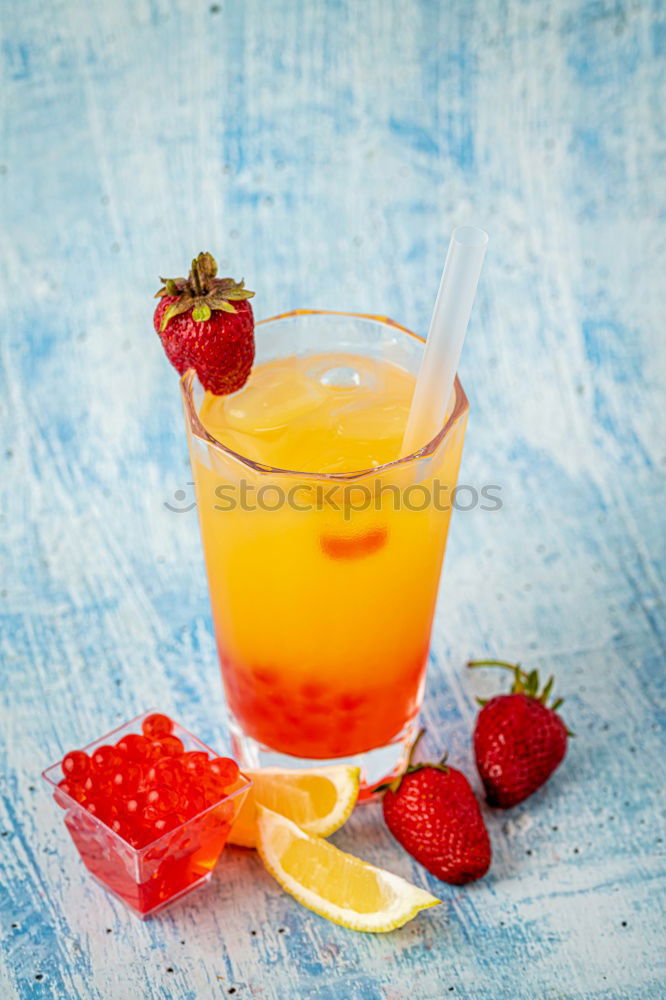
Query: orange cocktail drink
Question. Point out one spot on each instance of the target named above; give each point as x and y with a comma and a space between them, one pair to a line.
323, 544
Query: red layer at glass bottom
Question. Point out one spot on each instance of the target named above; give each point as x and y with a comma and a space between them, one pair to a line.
317, 721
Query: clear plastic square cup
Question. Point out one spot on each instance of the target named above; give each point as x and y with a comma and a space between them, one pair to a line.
323, 595
149, 878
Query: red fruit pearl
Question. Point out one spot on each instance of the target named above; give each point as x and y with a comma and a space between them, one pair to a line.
170, 746
156, 726
194, 763
70, 788
136, 748
76, 764
105, 757
166, 771
223, 769
163, 799
125, 779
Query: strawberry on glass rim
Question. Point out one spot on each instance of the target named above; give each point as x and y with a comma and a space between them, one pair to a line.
206, 323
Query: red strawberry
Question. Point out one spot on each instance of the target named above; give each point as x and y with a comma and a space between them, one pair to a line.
518, 739
206, 323
432, 812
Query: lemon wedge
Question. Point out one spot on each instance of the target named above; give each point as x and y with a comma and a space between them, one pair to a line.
335, 885
319, 799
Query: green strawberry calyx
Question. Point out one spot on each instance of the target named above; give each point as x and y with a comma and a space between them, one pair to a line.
411, 767
202, 292
523, 682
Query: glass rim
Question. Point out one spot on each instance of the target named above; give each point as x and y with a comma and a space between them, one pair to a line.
460, 406
107, 829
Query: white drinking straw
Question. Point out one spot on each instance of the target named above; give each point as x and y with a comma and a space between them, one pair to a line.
448, 326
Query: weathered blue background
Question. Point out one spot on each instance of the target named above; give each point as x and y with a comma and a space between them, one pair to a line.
325, 150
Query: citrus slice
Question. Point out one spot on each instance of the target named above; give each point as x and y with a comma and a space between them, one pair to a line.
335, 885
318, 799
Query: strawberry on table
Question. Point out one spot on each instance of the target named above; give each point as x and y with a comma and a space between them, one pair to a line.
518, 739
206, 323
431, 810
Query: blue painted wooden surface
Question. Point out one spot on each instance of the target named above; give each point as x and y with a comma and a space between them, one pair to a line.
324, 151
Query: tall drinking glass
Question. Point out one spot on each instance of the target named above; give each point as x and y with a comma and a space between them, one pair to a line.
323, 586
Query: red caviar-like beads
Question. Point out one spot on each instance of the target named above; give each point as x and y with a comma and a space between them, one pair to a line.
69, 787
163, 799
125, 779
105, 757
156, 726
224, 770
194, 763
147, 784
137, 748
169, 746
76, 764
165, 771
